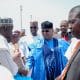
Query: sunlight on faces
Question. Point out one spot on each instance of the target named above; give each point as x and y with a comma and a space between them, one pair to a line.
47, 33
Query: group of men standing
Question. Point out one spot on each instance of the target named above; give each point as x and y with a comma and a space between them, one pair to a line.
44, 57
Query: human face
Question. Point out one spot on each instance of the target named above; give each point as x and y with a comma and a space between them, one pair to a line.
47, 33
8, 32
74, 23
64, 26
34, 30
15, 38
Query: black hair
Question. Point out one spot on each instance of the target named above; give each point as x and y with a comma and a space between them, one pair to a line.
46, 24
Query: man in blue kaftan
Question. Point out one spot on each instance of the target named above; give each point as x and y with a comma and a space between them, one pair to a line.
53, 52
48, 55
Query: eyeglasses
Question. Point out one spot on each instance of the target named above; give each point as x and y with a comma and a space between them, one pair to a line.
33, 27
45, 30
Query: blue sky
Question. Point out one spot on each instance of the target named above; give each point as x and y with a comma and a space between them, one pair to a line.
52, 10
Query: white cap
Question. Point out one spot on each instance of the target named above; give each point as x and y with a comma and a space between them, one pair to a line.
6, 21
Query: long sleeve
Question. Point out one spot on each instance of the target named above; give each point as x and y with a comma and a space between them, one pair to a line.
5, 56
7, 61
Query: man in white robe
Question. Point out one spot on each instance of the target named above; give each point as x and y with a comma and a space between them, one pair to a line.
5, 56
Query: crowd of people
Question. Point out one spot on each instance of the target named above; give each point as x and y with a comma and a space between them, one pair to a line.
53, 56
